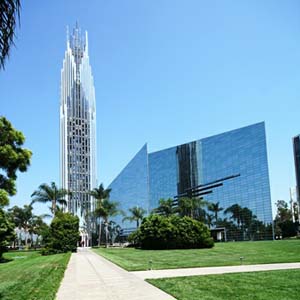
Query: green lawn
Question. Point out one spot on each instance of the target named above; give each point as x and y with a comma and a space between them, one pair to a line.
31, 276
223, 254
271, 285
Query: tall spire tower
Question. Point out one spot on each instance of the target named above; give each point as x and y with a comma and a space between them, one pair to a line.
77, 125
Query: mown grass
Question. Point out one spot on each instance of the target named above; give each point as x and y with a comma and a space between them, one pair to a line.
223, 254
271, 285
30, 276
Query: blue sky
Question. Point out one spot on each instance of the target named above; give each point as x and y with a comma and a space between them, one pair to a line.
166, 72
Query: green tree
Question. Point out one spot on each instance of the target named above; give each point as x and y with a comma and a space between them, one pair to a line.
137, 215
284, 224
284, 213
13, 158
174, 232
105, 210
22, 218
36, 226
165, 208
7, 233
99, 195
215, 209
236, 213
50, 193
191, 207
10, 14
63, 234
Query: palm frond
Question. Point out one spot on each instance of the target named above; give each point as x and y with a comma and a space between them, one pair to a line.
9, 15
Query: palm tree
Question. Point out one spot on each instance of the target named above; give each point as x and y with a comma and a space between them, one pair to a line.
236, 213
9, 14
215, 208
50, 193
165, 207
190, 206
106, 208
137, 214
22, 218
99, 194
209, 220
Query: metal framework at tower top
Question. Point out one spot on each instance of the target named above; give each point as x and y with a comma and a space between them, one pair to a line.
77, 125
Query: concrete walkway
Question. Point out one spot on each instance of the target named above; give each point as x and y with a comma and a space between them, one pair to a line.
90, 276
213, 270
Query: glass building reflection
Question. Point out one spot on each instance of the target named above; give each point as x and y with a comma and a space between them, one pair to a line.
150, 177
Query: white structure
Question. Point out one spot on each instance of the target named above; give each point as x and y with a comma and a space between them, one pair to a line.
78, 127
294, 203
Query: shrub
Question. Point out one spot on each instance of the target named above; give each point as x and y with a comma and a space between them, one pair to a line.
133, 238
63, 235
160, 232
7, 233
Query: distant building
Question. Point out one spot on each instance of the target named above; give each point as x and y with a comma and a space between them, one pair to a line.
240, 154
77, 126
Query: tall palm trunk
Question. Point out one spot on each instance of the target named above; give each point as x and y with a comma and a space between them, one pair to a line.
106, 233
53, 206
26, 236
99, 241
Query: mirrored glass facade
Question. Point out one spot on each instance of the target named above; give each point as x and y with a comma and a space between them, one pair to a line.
130, 187
245, 199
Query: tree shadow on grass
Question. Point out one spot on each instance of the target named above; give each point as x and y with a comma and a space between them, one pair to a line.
3, 261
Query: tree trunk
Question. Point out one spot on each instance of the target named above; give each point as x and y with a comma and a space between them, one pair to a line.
106, 234
53, 206
26, 237
99, 241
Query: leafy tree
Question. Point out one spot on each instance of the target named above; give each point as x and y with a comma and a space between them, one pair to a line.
99, 195
13, 157
10, 13
284, 224
283, 211
165, 208
137, 215
63, 234
7, 233
50, 193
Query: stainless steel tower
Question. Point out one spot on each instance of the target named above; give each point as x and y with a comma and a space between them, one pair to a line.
77, 126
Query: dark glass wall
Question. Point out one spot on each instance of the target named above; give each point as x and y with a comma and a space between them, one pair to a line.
130, 188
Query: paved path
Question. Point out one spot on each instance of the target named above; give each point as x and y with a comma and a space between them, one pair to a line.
213, 270
90, 276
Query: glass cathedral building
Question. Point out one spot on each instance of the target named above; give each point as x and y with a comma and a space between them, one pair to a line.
245, 198
77, 125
